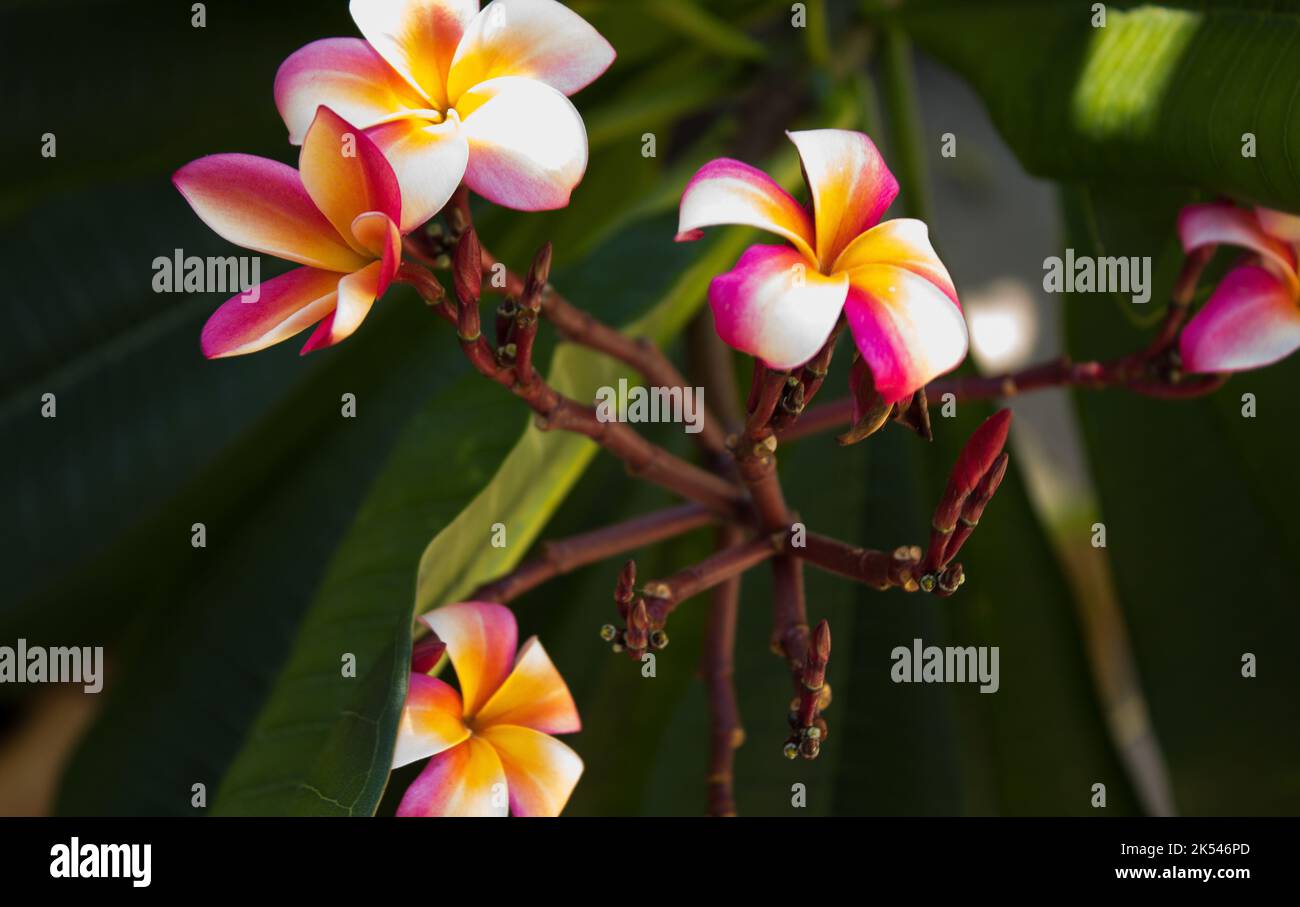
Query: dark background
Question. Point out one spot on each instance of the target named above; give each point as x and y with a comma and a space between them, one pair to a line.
1120, 666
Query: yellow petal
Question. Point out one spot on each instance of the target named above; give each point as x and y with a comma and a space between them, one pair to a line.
533, 696
541, 772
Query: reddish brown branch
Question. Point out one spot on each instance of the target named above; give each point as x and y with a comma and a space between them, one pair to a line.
878, 569
1119, 373
555, 410
717, 669
564, 555
580, 326
663, 596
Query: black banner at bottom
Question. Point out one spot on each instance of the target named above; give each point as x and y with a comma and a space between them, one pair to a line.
217, 857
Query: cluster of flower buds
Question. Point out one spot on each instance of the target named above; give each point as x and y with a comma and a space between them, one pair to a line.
975, 477
808, 728
636, 636
516, 319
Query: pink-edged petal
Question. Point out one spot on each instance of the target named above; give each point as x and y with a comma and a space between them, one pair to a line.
541, 772
262, 205
466, 780
481, 639
907, 329
345, 174
1251, 320
346, 75
1279, 224
429, 160
904, 242
379, 235
418, 38
726, 191
527, 143
775, 305
851, 186
1219, 223
284, 306
357, 293
534, 696
536, 39
431, 721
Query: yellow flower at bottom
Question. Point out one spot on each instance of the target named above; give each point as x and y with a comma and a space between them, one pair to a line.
491, 745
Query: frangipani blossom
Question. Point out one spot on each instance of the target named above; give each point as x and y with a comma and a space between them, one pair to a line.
1252, 318
336, 215
451, 92
490, 742
780, 303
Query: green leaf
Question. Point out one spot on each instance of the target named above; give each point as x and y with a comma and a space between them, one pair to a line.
1198, 503
1164, 93
705, 29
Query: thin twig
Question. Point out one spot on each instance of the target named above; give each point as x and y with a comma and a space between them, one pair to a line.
564, 555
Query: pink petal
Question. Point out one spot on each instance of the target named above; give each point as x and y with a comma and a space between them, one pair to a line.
527, 144
726, 191
418, 38
536, 39
357, 293
481, 639
541, 772
466, 780
431, 721
908, 330
346, 75
534, 696
261, 205
904, 242
429, 160
345, 174
1225, 224
850, 184
1252, 319
774, 305
287, 304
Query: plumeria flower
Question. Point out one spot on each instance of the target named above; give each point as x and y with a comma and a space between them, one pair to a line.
451, 92
490, 742
780, 303
336, 215
1252, 318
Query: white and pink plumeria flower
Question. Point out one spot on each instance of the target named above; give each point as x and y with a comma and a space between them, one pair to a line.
452, 92
490, 743
781, 303
336, 215
1252, 318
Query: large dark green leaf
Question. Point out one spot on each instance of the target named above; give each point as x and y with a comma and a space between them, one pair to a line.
1198, 502
1163, 92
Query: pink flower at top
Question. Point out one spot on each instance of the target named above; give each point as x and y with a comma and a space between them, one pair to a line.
780, 303
449, 91
336, 215
1253, 316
